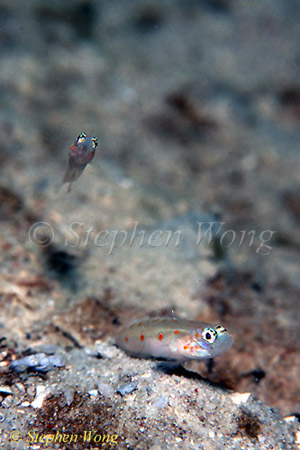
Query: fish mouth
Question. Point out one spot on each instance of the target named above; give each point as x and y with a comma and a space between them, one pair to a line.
227, 341
223, 343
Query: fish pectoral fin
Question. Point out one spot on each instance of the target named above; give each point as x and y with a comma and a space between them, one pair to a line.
168, 367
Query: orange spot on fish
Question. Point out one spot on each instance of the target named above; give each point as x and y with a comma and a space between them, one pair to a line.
126, 339
185, 347
142, 337
154, 320
140, 324
165, 320
197, 335
160, 336
176, 331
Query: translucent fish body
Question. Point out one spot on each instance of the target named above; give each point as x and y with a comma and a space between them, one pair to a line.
174, 339
80, 154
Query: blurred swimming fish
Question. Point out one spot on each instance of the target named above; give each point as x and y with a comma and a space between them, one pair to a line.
80, 155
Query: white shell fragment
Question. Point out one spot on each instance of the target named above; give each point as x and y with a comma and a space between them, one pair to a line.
290, 419
93, 392
239, 398
41, 394
6, 390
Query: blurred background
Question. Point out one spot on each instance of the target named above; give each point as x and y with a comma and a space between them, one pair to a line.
196, 106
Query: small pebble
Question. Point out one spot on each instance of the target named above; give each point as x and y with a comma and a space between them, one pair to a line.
237, 398
93, 392
106, 350
105, 389
7, 402
39, 361
41, 394
57, 360
69, 395
127, 388
25, 404
211, 434
92, 351
290, 419
6, 390
21, 387
161, 402
31, 391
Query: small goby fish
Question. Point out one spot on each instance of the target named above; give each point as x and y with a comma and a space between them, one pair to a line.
80, 155
174, 339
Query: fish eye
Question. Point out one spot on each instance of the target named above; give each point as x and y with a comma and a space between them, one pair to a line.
209, 335
81, 136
